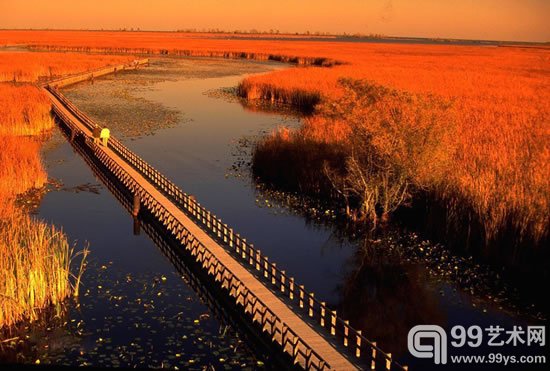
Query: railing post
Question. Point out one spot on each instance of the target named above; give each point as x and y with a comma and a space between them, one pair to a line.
282, 281
358, 344
346, 333
251, 256
301, 295
243, 247
258, 256
273, 273
308, 358
388, 361
373, 356
266, 267
323, 312
311, 303
230, 237
333, 323
295, 346
291, 288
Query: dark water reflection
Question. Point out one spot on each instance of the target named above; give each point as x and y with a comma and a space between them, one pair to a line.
377, 297
370, 283
136, 308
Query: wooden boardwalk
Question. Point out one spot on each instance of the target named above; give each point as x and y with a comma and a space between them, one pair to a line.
307, 330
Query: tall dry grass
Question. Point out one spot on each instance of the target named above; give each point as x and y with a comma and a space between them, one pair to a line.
21, 166
500, 151
393, 146
500, 167
35, 258
24, 110
30, 67
35, 268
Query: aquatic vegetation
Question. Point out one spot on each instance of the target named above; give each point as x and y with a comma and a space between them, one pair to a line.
35, 257
132, 320
35, 269
21, 169
500, 151
498, 156
30, 67
373, 147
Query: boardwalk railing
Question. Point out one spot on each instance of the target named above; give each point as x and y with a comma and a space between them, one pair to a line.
101, 71
279, 331
285, 285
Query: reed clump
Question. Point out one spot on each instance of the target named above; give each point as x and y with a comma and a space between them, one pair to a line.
21, 166
369, 151
375, 149
38, 268
24, 109
304, 100
35, 268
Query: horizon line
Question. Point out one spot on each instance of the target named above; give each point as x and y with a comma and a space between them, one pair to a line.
312, 34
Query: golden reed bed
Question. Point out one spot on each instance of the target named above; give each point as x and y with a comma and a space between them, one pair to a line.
35, 258
492, 163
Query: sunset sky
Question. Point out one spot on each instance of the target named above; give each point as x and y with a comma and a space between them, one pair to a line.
525, 20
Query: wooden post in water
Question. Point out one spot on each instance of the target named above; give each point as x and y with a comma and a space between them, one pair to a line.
137, 227
136, 205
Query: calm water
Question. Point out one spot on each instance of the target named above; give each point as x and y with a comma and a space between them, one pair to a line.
384, 297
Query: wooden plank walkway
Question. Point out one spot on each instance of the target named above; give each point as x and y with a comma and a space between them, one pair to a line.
328, 353
305, 328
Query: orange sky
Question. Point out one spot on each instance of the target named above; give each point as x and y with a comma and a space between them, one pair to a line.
525, 20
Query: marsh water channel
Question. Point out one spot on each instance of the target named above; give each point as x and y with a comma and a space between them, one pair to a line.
138, 309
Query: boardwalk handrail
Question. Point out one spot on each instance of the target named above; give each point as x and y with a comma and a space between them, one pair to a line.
292, 344
96, 72
249, 255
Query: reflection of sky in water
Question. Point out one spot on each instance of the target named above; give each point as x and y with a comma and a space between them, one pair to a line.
196, 155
